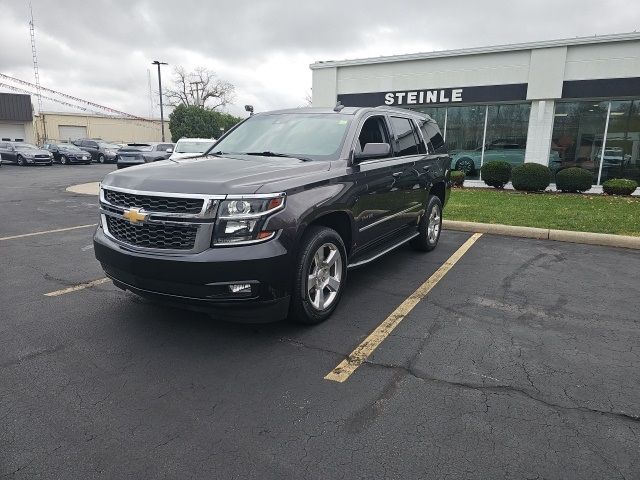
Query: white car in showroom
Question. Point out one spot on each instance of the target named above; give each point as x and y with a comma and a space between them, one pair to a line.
191, 147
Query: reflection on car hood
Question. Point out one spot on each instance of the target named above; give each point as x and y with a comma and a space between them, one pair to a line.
213, 175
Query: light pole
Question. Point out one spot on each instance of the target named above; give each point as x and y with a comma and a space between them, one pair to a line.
156, 62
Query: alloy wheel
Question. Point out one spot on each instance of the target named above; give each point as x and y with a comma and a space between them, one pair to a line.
63, 160
101, 159
325, 276
433, 227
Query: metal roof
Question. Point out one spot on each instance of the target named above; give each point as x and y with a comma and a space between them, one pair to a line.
15, 107
618, 37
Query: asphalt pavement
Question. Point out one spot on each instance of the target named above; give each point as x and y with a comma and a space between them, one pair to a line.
521, 362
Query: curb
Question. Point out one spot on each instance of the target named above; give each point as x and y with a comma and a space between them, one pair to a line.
92, 188
587, 238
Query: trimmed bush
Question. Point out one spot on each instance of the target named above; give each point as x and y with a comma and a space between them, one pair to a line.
496, 173
457, 178
619, 186
531, 177
574, 179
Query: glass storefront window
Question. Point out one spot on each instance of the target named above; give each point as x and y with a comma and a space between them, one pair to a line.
506, 138
465, 133
578, 134
621, 157
439, 114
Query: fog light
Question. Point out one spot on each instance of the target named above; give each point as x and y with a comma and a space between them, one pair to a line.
238, 288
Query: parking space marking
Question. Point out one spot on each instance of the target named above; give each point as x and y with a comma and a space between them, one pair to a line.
356, 358
47, 231
75, 288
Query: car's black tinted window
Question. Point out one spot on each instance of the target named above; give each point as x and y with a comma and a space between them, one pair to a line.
406, 143
432, 134
373, 130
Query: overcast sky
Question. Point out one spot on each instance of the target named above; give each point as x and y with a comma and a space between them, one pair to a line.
101, 50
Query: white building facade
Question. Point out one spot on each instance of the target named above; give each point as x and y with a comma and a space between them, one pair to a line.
560, 103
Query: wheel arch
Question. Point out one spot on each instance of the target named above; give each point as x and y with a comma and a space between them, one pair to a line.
338, 220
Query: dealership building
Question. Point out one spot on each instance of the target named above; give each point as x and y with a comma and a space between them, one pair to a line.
572, 102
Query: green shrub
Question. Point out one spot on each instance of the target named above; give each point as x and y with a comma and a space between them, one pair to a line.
457, 178
619, 186
531, 177
574, 179
496, 173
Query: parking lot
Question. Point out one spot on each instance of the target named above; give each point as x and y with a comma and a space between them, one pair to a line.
521, 362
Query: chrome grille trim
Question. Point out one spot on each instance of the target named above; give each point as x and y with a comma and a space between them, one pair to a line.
202, 222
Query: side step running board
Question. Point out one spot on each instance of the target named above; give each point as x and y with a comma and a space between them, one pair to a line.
378, 253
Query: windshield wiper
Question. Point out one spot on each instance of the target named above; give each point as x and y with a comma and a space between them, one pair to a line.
275, 154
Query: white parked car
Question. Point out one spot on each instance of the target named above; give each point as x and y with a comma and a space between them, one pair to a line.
191, 147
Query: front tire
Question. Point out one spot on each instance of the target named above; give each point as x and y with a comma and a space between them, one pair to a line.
429, 227
101, 159
466, 165
63, 160
320, 276
21, 161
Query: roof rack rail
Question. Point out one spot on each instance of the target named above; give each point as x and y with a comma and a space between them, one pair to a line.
403, 110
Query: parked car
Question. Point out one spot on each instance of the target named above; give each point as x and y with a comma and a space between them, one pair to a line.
24, 154
66, 153
266, 225
191, 147
141, 153
101, 151
469, 161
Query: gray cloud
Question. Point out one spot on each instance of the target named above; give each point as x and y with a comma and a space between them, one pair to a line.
101, 50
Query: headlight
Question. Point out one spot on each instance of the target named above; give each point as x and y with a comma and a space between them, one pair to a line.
241, 220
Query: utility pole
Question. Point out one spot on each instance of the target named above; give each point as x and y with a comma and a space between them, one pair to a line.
158, 63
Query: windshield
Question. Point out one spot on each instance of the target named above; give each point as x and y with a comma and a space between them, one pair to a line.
25, 146
307, 135
109, 145
193, 147
68, 146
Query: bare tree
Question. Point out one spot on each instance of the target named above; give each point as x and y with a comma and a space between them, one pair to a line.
201, 88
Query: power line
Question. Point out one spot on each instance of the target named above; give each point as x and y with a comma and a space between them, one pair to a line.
75, 99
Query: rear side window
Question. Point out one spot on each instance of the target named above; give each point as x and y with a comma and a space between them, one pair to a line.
406, 141
432, 134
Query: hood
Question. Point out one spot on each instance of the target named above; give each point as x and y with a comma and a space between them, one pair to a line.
213, 175
32, 152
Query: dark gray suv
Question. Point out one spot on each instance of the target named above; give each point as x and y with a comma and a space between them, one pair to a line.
266, 224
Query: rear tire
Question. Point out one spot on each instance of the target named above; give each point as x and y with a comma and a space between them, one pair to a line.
320, 276
429, 227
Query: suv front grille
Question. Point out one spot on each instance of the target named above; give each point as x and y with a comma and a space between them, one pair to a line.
152, 203
175, 237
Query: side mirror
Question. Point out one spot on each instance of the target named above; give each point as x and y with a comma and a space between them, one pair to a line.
374, 150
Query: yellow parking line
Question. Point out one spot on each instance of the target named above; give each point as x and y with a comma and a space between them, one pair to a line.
75, 288
47, 231
356, 358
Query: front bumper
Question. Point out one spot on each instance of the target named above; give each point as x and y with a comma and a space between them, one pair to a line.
200, 281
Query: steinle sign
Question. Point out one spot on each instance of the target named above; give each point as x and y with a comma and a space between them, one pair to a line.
421, 97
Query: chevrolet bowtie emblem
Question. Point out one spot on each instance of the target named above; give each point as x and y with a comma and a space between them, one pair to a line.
135, 215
